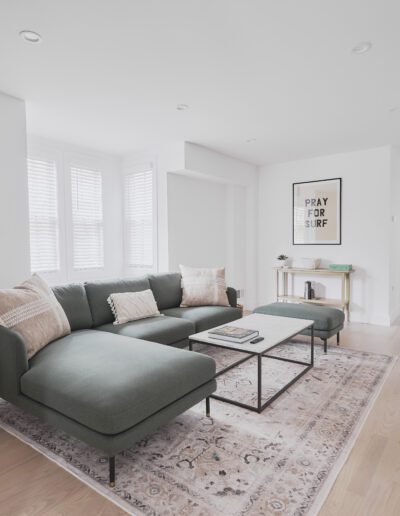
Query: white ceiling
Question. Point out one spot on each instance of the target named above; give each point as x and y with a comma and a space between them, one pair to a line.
109, 73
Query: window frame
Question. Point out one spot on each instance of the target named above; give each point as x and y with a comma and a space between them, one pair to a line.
113, 169
72, 159
96, 223
46, 154
139, 168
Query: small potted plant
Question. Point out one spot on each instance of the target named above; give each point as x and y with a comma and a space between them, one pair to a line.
282, 260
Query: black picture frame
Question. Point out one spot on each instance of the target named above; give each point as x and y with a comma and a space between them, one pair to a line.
339, 208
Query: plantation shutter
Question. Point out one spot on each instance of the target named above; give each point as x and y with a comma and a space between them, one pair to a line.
139, 219
43, 215
87, 218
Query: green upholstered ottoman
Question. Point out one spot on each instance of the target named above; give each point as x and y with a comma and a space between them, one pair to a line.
328, 321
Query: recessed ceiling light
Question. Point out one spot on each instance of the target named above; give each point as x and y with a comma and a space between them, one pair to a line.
362, 47
30, 36
182, 107
250, 140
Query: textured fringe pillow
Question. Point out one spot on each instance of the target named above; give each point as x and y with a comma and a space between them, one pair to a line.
203, 286
32, 310
132, 306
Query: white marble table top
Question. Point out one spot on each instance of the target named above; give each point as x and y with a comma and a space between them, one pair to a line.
274, 329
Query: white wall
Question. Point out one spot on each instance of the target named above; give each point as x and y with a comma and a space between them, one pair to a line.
197, 222
395, 235
239, 260
241, 180
14, 213
169, 158
65, 155
365, 227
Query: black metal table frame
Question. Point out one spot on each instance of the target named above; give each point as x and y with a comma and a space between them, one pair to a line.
260, 406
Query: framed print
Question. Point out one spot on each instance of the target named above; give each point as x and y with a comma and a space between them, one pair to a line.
317, 212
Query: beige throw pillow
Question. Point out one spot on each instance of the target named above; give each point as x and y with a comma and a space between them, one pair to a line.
203, 286
32, 310
132, 306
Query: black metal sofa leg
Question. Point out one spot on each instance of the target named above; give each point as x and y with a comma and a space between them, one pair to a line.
111, 463
111, 460
338, 338
325, 345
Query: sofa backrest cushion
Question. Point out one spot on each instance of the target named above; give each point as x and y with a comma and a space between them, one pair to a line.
167, 289
98, 292
74, 301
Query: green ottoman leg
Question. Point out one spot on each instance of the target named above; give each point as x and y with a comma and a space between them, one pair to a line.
325, 345
338, 338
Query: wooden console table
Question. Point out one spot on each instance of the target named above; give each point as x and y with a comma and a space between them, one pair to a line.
282, 273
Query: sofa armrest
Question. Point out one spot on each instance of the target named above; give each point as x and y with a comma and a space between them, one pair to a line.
232, 296
13, 363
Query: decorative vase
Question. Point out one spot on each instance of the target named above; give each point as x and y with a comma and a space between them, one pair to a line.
282, 263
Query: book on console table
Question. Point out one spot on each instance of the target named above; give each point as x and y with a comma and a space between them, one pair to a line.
233, 334
342, 267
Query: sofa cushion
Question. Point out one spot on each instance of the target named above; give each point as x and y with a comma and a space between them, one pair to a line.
74, 301
205, 317
167, 289
325, 318
110, 383
165, 330
98, 291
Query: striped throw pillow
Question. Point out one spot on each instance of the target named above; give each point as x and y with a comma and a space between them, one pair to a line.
32, 310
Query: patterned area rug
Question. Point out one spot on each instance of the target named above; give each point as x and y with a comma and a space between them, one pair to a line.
237, 462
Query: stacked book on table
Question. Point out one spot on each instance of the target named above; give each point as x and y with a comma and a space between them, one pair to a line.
233, 334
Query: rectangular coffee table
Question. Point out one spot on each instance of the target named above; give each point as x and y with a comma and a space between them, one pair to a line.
276, 331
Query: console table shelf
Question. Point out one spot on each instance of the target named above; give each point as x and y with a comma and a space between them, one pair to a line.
343, 302
317, 301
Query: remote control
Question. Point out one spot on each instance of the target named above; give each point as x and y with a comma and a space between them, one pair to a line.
255, 341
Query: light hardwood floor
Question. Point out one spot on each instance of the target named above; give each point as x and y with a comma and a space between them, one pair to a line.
368, 485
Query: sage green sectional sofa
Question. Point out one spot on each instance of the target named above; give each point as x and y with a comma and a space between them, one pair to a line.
108, 385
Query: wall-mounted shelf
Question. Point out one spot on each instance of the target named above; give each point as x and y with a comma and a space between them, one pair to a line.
343, 302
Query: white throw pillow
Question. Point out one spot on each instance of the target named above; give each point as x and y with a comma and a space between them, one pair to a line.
132, 306
202, 286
